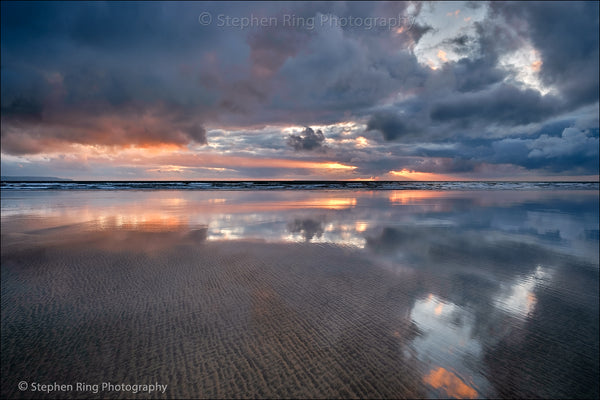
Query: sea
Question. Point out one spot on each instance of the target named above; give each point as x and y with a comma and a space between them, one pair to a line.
295, 185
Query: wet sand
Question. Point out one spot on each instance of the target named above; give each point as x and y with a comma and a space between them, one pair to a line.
242, 319
441, 304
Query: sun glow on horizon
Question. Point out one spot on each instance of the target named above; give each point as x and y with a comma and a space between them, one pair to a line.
335, 165
421, 176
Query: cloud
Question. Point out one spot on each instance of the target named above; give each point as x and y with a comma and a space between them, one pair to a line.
23, 108
477, 74
122, 76
572, 142
474, 97
573, 151
307, 140
196, 133
505, 104
391, 125
566, 35
55, 132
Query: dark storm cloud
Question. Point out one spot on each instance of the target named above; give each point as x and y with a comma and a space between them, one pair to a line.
391, 125
566, 35
106, 57
476, 97
123, 74
308, 140
505, 104
119, 60
339, 76
22, 107
270, 48
332, 71
104, 73
474, 75
25, 138
196, 133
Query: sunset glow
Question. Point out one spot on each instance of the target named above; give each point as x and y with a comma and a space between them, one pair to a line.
431, 97
335, 166
452, 385
420, 176
412, 196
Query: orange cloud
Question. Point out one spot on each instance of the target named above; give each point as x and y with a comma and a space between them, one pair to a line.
332, 165
170, 156
63, 130
361, 142
431, 65
170, 160
442, 55
441, 378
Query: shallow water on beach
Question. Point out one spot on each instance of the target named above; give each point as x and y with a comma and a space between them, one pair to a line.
345, 293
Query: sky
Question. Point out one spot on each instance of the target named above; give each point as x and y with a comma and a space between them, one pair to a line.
300, 90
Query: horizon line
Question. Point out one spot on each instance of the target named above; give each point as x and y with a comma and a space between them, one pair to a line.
69, 180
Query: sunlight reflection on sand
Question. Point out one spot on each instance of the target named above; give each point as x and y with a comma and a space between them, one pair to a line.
304, 294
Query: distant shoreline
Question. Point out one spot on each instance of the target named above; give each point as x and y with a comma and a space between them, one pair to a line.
33, 179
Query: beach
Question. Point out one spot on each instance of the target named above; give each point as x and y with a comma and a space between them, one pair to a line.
327, 294
320, 200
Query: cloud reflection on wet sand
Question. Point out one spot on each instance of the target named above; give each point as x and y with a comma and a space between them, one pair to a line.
351, 294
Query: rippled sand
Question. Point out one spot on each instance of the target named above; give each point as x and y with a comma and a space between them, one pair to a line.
211, 320
422, 310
